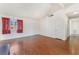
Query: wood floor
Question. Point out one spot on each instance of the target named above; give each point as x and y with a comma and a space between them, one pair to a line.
74, 44
39, 45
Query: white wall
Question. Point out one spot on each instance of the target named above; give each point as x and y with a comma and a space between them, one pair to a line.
55, 26
48, 26
61, 24
29, 28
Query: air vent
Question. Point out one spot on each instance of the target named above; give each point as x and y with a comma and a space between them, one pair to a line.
51, 15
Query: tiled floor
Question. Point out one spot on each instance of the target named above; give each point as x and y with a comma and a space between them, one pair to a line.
38, 45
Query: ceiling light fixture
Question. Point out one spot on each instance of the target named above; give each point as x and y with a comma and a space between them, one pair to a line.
75, 12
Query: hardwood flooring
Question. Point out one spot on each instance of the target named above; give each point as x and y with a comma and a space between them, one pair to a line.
38, 45
74, 44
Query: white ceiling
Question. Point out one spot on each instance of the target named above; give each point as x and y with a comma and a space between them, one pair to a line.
66, 5
34, 10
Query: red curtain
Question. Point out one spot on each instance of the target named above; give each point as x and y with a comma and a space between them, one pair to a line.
20, 26
5, 25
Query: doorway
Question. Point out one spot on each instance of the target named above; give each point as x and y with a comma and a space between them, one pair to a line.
74, 35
